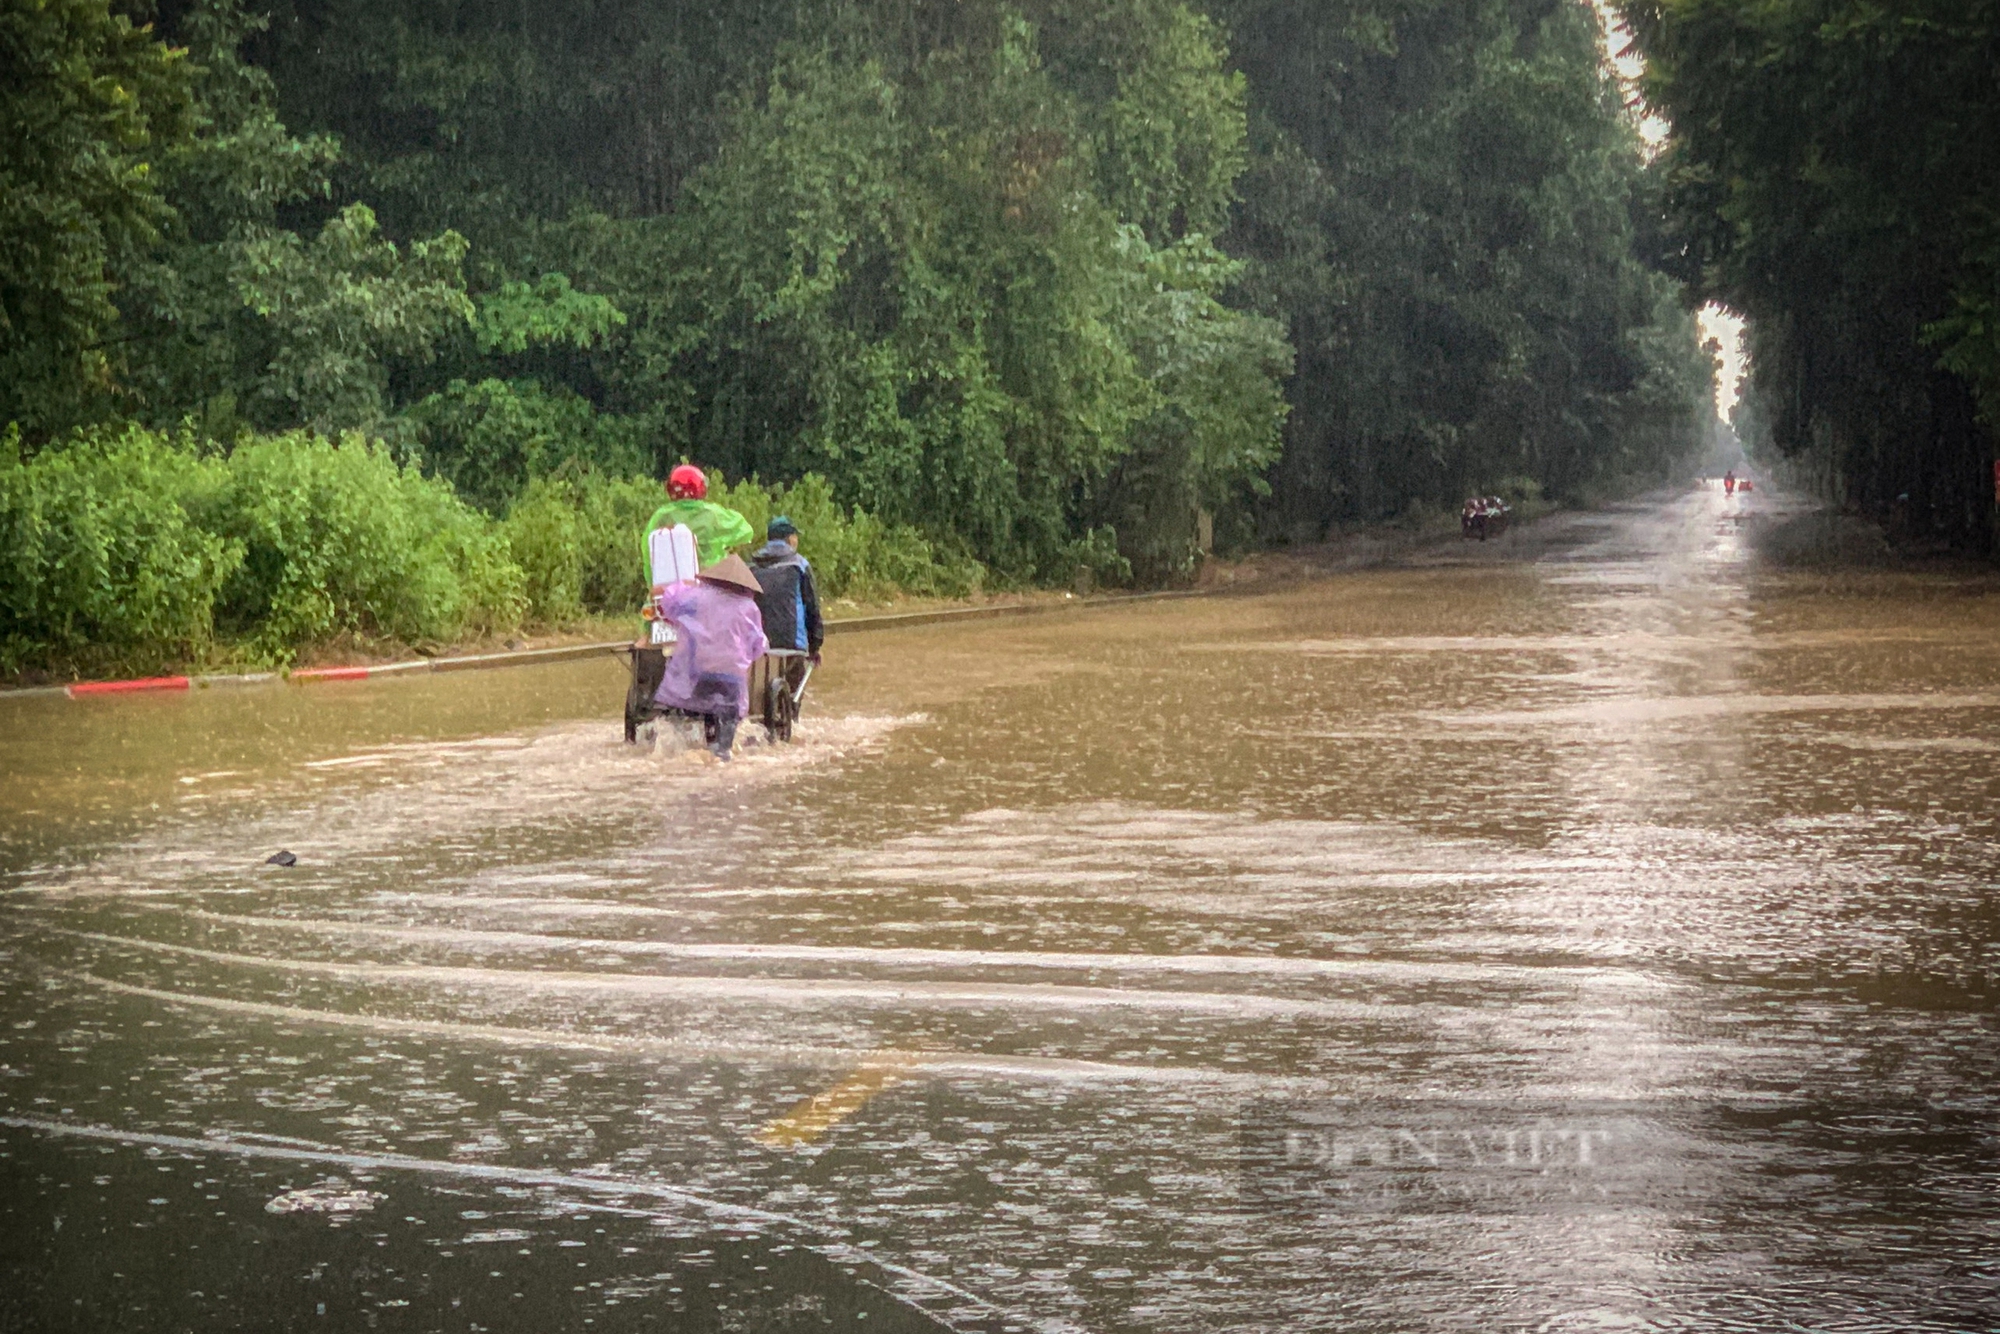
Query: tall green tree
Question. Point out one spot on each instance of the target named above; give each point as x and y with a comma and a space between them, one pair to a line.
263, 301
89, 101
1832, 174
918, 288
1029, 275
1440, 208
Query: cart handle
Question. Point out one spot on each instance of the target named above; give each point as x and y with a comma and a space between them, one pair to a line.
800, 693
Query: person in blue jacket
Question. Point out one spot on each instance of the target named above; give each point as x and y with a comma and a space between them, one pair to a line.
790, 601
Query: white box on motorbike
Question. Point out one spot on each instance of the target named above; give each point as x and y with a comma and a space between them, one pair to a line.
672, 553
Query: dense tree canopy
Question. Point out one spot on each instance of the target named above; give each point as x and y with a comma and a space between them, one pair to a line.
1443, 198
1048, 281
88, 104
1834, 174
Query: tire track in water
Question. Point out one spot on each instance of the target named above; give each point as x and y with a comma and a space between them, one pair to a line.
909, 1061
911, 1286
797, 992
1283, 966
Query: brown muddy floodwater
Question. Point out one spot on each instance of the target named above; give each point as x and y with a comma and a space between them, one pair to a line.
1598, 932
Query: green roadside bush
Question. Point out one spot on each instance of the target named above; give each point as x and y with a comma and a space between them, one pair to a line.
576, 540
133, 548
542, 537
853, 553
337, 538
1524, 496
100, 561
611, 517
126, 548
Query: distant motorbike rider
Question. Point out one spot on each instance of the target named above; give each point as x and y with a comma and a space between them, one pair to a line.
716, 528
791, 600
720, 633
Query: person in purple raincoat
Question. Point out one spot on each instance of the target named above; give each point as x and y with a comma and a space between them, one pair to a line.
721, 633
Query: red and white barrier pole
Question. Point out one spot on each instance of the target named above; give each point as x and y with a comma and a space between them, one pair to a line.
332, 674
127, 687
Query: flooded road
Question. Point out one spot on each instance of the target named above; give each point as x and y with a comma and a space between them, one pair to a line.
1604, 940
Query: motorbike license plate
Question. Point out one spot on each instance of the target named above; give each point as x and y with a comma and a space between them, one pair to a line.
663, 633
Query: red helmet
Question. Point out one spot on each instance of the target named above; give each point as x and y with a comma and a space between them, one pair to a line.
687, 482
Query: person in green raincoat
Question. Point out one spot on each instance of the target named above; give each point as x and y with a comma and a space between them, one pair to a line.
716, 528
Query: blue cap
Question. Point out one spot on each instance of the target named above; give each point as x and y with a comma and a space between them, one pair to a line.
780, 528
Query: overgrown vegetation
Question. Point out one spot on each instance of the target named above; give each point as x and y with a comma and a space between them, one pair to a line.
991, 290
1834, 175
1442, 201
135, 548
132, 547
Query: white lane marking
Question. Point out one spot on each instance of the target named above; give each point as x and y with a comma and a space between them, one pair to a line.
1621, 641
936, 1063
1854, 741
586, 1183
1619, 710
1241, 964
537, 906
785, 991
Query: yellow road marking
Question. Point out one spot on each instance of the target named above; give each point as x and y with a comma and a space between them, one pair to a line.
823, 1111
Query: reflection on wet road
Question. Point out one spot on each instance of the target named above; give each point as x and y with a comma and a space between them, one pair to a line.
1064, 976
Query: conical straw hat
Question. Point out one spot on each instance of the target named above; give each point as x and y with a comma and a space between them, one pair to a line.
731, 572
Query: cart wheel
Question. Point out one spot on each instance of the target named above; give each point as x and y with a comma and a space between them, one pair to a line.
635, 712
778, 708
648, 666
